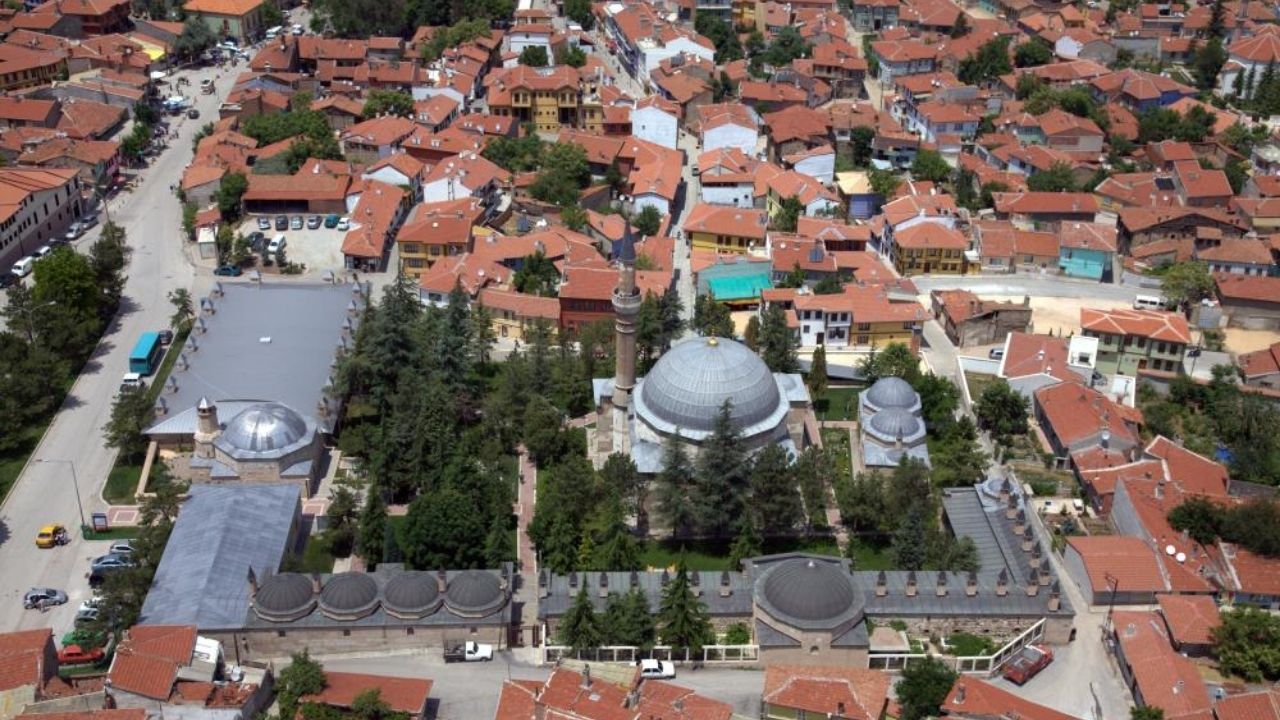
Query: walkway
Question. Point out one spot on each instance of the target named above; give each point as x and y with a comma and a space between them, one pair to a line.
526, 556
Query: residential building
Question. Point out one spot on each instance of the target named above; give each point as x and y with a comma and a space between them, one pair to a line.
1256, 705
375, 139
376, 209
1045, 210
1116, 570
586, 294
908, 211
239, 19
468, 174
903, 57
1251, 302
1157, 675
1087, 250
1076, 418
407, 696
1191, 620
435, 230
929, 248
1140, 226
513, 313
727, 176
1237, 256
814, 198
1199, 187
731, 125
656, 120
22, 67
1030, 362
30, 662
1249, 56
164, 669
969, 321
875, 15
1133, 340
96, 161
725, 229
551, 98
859, 316
1004, 248
87, 17
1261, 367
596, 693
848, 693
36, 206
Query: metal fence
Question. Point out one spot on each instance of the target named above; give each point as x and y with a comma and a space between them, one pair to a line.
630, 654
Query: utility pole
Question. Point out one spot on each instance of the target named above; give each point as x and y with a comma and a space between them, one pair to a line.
75, 483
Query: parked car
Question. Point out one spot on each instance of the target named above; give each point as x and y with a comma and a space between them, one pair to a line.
264, 223
331, 221
43, 598
86, 615
166, 337
228, 271
282, 222
92, 603
995, 353
193, 113
7, 279
88, 221
277, 242
121, 547
1027, 663
23, 267
657, 669
470, 651
257, 239
74, 230
296, 224
111, 561
43, 252
344, 224
52, 536
313, 222
76, 655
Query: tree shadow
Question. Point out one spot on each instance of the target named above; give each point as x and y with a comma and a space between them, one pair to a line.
4, 532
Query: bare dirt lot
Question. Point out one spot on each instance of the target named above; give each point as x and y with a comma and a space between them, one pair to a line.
1059, 315
1242, 341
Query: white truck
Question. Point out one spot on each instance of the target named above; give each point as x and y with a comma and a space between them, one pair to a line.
469, 651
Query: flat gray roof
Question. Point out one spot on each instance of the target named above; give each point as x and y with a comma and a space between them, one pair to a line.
222, 531
265, 342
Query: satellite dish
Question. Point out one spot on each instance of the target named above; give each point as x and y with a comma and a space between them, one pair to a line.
1181, 557
1170, 550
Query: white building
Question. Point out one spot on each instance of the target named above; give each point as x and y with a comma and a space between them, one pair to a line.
1249, 57
42, 203
656, 120
730, 126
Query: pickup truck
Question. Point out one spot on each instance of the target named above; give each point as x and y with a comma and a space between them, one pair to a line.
469, 652
1024, 666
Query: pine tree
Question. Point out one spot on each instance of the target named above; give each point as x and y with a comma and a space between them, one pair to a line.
773, 491
818, 371
722, 477
580, 628
616, 548
674, 485
682, 618
748, 543
751, 336
778, 342
371, 541
629, 621
909, 545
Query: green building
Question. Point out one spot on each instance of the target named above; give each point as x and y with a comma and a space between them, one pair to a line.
1133, 340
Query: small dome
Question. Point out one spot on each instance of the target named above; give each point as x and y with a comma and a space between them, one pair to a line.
349, 595
809, 593
263, 428
474, 593
284, 597
691, 382
895, 422
890, 392
411, 595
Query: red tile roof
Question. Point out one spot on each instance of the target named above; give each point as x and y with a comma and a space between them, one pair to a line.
114, 714
407, 695
720, 220
930, 235
1190, 618
1194, 473
1129, 560
1045, 203
1087, 236
1260, 705
147, 661
1260, 362
1152, 324
854, 693
22, 655
1248, 287
1076, 413
519, 304
971, 697
372, 219
1164, 678
1027, 354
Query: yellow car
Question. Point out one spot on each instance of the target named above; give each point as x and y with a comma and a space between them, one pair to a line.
52, 536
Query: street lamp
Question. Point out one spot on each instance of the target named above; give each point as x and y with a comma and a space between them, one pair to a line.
74, 483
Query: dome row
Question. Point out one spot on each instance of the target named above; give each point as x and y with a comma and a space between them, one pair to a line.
351, 595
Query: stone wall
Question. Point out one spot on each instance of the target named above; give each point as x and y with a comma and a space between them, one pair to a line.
999, 629
271, 643
844, 657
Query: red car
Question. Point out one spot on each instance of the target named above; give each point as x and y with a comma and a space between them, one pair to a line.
1024, 666
76, 655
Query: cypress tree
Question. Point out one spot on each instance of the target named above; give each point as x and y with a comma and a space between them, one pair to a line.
722, 478
580, 628
682, 618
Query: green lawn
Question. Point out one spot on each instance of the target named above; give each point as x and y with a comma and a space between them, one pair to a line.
977, 382
121, 484
166, 365
11, 464
1045, 482
838, 402
966, 645
316, 557
714, 554
836, 440
127, 532
870, 556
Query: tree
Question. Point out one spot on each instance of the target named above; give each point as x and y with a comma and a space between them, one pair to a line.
1207, 64
442, 529
787, 45
628, 620
1058, 178
564, 173
675, 486
1002, 411
1247, 643
195, 38
829, 285
930, 166
1186, 283
520, 154
1146, 712
923, 688
302, 677
722, 477
778, 342
721, 34
371, 534
961, 28
387, 102
647, 221
1199, 518
580, 628
369, 705
774, 495
571, 55
682, 618
712, 319
895, 360
908, 544
574, 218
788, 215
131, 414
534, 56
988, 62
956, 456
860, 145
537, 276
230, 190
747, 544
1030, 54
1237, 172
939, 400
817, 379
579, 11
884, 183
183, 311
751, 335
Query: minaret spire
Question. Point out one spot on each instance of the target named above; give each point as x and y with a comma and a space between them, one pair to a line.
626, 305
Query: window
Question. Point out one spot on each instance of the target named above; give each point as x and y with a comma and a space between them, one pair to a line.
346, 632
1162, 347
475, 630
806, 329
863, 339
908, 326
280, 633
863, 327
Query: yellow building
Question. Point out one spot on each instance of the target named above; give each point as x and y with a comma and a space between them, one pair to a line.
744, 13
513, 313
551, 98
726, 229
437, 230
929, 248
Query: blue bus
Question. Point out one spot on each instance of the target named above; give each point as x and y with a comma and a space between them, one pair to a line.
146, 354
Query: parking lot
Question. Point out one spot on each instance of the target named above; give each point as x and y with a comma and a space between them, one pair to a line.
319, 249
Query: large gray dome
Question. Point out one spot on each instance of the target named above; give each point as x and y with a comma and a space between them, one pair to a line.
891, 392
809, 593
474, 593
411, 595
349, 595
895, 422
264, 428
686, 388
284, 597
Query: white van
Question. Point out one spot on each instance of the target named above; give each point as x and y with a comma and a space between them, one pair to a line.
297, 29
1148, 302
131, 381
273, 31
22, 268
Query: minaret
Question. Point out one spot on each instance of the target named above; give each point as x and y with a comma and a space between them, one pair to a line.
626, 305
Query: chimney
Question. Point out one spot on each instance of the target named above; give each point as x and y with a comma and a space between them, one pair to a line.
315, 582
1006, 489
911, 583
1055, 597
1011, 508
725, 589
695, 581
1020, 522
942, 583
573, 579
1033, 582
1036, 555
1002, 583
253, 582
604, 585
960, 693
442, 581
543, 589
840, 708
586, 677
882, 588
1027, 540
971, 585
635, 579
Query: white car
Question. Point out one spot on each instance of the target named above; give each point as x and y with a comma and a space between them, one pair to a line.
276, 244
657, 669
470, 651
344, 224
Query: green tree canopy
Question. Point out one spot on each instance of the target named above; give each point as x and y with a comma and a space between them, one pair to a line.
580, 628
1186, 283
380, 102
1030, 54
923, 688
534, 56
682, 618
1247, 643
988, 62
564, 173
929, 165
1058, 178
1002, 410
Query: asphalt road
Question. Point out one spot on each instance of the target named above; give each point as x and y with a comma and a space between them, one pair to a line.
44, 492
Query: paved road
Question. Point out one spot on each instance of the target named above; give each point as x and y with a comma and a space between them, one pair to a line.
44, 492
